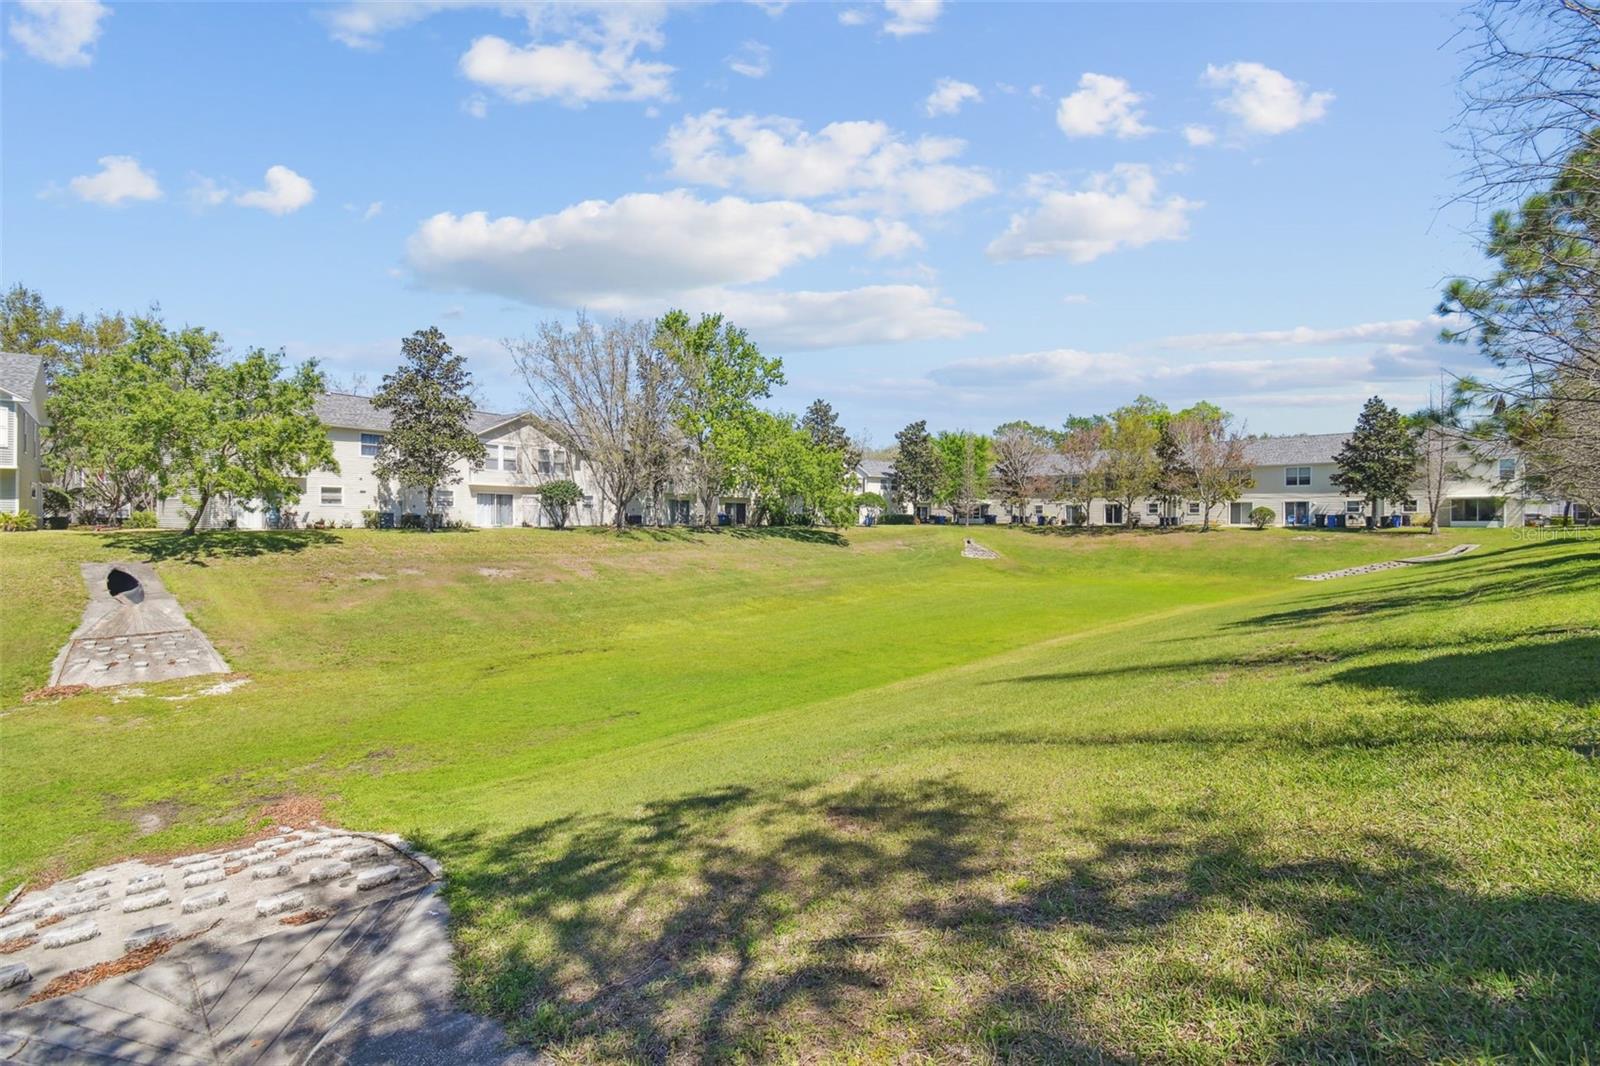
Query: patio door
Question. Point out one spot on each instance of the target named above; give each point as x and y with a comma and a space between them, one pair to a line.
1296, 513
494, 509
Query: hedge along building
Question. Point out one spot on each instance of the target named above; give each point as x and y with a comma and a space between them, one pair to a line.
1292, 476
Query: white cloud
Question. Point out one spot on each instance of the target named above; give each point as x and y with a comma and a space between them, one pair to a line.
1075, 298
120, 179
569, 71
476, 105
576, 52
1265, 100
854, 16
753, 60
1121, 208
1199, 136
906, 17
1399, 331
284, 193
873, 314
59, 32
642, 253
374, 209
1103, 104
636, 245
206, 192
948, 95
860, 165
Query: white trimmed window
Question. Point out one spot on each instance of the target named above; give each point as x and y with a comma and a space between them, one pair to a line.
1194, 506
332, 496
547, 465
370, 444
1408, 506
1352, 506
1152, 507
500, 457
444, 499
1297, 475
1508, 469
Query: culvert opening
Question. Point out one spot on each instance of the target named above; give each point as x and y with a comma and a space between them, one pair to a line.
124, 586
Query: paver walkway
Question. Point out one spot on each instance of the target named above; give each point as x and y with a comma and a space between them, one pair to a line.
366, 977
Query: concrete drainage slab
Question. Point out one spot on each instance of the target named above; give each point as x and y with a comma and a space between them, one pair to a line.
1393, 564
133, 630
971, 549
314, 945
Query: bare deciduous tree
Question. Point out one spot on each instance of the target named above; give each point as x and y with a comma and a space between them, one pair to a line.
1211, 454
1019, 464
1081, 473
584, 389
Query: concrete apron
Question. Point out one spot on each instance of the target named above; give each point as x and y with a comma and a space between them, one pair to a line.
137, 634
370, 981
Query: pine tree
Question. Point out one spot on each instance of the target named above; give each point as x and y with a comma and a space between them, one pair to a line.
430, 431
1380, 459
916, 465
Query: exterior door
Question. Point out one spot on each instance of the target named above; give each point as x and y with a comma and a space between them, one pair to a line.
494, 509
1296, 513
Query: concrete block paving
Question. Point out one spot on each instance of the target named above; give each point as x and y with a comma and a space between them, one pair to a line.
366, 979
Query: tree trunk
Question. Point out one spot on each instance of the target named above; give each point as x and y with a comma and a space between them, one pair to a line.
199, 512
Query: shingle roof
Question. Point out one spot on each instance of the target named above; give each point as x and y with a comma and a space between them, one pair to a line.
348, 411
876, 467
1299, 449
18, 373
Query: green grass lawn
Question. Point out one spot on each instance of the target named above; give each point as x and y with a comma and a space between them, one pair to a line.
756, 796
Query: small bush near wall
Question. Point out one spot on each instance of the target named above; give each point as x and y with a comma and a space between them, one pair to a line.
897, 520
141, 520
1262, 517
20, 522
369, 519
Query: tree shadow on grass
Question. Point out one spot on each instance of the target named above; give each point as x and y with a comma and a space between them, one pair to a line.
1496, 579
692, 534
160, 546
1566, 670
736, 924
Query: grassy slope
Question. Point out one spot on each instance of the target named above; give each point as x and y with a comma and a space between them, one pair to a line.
1108, 797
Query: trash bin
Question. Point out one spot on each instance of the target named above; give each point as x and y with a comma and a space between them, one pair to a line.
1039, 519
1394, 521
990, 519
1332, 521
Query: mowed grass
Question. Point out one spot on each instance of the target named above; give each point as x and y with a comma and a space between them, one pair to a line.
757, 797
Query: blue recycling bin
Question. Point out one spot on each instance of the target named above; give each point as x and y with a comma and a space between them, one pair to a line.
1332, 521
1395, 521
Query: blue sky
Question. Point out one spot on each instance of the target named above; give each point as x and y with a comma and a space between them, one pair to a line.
959, 212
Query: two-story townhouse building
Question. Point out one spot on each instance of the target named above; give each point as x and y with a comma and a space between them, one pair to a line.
1292, 476
22, 418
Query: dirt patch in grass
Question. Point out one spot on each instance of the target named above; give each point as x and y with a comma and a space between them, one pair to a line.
88, 976
154, 817
54, 692
306, 917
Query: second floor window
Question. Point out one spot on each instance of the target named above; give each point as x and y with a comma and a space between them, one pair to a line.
1297, 475
500, 457
1508, 469
547, 465
370, 444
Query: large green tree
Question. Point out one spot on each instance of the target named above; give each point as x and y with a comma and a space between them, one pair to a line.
916, 466
1130, 466
1380, 459
788, 475
166, 416
33, 327
1021, 450
720, 373
965, 460
429, 400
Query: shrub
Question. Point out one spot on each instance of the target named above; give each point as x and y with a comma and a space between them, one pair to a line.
369, 519
898, 520
57, 500
20, 522
1262, 517
559, 498
141, 520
